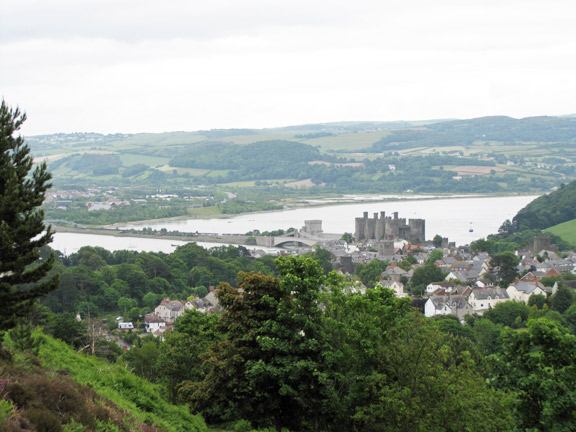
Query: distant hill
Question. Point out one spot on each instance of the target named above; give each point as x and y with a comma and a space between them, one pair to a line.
490, 130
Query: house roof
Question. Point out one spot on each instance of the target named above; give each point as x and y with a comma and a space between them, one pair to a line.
485, 293
528, 287
153, 318
454, 302
172, 305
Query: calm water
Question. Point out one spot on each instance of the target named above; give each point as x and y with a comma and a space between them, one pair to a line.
452, 218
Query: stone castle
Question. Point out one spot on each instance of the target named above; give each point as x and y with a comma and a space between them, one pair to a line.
389, 228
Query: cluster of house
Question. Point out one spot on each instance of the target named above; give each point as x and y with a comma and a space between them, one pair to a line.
168, 311
106, 205
469, 286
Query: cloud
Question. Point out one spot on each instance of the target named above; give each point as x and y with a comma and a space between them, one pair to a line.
134, 66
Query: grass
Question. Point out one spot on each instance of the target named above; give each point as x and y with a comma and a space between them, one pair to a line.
134, 159
566, 231
114, 382
347, 141
204, 212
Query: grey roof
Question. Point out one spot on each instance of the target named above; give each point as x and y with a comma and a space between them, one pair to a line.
453, 301
485, 293
528, 287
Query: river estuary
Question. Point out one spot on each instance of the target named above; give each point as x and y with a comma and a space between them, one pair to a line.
462, 220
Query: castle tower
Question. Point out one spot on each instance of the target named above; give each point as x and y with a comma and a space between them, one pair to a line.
360, 227
417, 229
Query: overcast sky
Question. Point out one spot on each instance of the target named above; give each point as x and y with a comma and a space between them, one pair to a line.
153, 66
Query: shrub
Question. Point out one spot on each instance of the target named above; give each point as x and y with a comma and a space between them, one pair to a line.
43, 420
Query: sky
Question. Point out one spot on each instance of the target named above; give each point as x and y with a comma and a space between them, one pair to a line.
133, 66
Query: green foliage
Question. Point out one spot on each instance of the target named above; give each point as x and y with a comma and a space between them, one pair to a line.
22, 338
425, 275
23, 275
268, 368
505, 266
537, 366
138, 397
66, 328
511, 314
347, 237
548, 210
371, 273
562, 299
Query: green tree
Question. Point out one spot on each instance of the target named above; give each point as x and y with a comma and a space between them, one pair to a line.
537, 366
537, 300
144, 359
425, 275
562, 299
434, 256
268, 369
23, 340
23, 275
509, 313
181, 361
347, 237
505, 266
437, 241
372, 272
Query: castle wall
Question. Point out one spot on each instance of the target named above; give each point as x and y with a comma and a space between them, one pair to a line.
381, 227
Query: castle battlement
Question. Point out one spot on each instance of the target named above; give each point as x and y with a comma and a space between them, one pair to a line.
382, 227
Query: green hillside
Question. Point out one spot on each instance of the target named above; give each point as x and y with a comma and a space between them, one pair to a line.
566, 231
74, 389
548, 210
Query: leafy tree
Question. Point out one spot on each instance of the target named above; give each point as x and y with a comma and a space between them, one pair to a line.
181, 360
434, 256
537, 365
67, 328
23, 275
537, 300
125, 303
562, 299
505, 266
372, 272
324, 258
507, 313
268, 368
144, 359
347, 237
424, 275
437, 241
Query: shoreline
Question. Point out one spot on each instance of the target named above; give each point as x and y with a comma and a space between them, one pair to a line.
392, 198
232, 238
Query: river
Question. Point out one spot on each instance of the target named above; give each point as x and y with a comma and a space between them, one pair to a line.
462, 220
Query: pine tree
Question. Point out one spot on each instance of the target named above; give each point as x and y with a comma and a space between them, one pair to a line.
23, 339
23, 275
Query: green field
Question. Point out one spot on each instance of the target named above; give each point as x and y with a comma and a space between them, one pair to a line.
566, 231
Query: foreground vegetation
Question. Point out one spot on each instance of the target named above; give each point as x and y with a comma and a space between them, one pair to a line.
59, 389
294, 349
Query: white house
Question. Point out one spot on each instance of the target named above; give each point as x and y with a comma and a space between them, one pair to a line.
521, 291
482, 299
169, 310
154, 322
447, 305
398, 287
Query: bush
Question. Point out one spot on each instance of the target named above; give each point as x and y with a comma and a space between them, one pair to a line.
43, 420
